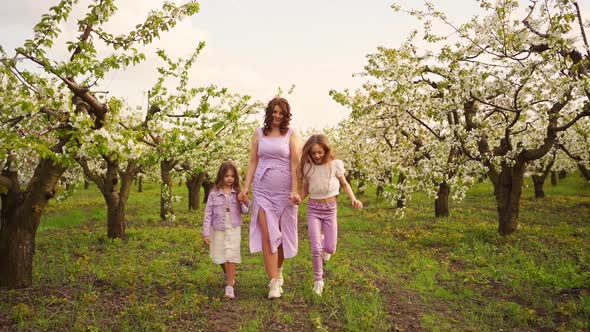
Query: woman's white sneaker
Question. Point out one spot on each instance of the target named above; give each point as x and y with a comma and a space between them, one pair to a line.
281, 280
274, 289
318, 287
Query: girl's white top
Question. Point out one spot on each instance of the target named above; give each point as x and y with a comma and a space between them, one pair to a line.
323, 179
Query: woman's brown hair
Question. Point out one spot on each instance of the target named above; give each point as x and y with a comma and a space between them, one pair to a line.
321, 140
284, 105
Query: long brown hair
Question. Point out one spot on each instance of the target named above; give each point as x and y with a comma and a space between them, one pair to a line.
223, 168
324, 143
284, 105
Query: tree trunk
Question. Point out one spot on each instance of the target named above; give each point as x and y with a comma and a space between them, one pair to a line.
562, 175
194, 183
539, 181
441, 203
380, 190
584, 171
166, 210
361, 185
140, 183
86, 184
402, 201
207, 186
115, 186
115, 216
508, 191
553, 178
481, 178
19, 219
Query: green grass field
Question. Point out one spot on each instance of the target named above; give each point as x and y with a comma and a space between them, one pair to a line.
415, 273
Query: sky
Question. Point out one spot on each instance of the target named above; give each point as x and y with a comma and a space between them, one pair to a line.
254, 47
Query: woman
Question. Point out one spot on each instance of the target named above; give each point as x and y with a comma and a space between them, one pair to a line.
274, 162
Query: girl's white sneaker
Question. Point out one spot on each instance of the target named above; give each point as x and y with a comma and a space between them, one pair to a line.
229, 292
326, 256
318, 287
274, 289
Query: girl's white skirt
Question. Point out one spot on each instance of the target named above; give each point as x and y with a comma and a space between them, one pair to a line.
224, 245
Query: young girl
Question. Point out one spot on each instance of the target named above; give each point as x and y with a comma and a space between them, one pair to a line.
223, 214
322, 177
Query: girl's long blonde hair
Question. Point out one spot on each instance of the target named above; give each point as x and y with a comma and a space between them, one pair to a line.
324, 143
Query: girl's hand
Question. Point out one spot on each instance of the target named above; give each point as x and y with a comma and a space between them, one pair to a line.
357, 204
243, 196
206, 239
295, 198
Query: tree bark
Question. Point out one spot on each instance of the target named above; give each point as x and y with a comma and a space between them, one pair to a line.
584, 171
400, 180
140, 183
19, 219
207, 186
508, 191
115, 185
116, 199
115, 216
86, 184
361, 185
553, 178
562, 175
380, 190
539, 181
166, 210
194, 183
441, 203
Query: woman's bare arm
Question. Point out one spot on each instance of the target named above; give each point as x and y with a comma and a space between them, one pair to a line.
295, 147
252, 164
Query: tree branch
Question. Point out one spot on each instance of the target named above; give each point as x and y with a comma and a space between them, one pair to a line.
582, 30
572, 121
528, 25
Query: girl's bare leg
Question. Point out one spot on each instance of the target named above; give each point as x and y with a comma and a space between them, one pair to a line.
230, 269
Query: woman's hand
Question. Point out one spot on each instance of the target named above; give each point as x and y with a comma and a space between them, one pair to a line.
206, 239
357, 204
295, 198
243, 196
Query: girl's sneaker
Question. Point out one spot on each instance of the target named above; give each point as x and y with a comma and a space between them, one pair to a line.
325, 256
318, 287
281, 280
229, 292
274, 289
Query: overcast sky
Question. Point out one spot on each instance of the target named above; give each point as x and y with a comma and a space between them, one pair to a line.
254, 47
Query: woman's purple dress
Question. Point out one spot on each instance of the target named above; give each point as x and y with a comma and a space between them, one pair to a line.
271, 190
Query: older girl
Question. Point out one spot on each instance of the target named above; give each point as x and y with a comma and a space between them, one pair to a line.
322, 177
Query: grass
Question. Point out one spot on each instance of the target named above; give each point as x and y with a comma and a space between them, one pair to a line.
415, 273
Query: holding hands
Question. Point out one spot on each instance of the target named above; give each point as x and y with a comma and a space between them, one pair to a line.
295, 198
243, 196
